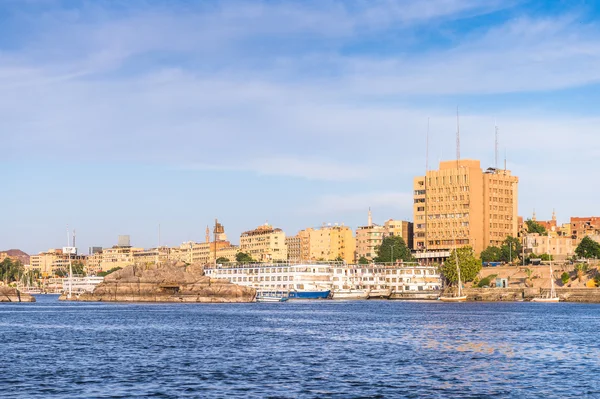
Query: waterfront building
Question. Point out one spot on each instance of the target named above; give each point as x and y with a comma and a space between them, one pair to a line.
294, 248
370, 237
264, 244
94, 263
559, 247
584, 226
118, 256
50, 262
460, 204
327, 243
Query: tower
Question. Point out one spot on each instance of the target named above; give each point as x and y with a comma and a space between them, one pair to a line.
370, 219
207, 237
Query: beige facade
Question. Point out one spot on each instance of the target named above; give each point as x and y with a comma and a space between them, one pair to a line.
560, 247
370, 237
118, 257
584, 226
94, 264
230, 252
460, 205
49, 262
203, 252
264, 244
329, 243
294, 248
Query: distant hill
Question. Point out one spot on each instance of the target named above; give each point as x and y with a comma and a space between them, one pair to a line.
17, 254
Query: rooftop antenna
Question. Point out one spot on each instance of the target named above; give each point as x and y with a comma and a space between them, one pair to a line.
457, 138
427, 149
68, 237
496, 147
74, 238
505, 159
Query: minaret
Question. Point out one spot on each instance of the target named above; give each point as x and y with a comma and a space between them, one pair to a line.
533, 218
554, 215
370, 220
207, 238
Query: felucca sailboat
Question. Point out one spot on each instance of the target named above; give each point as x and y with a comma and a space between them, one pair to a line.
551, 297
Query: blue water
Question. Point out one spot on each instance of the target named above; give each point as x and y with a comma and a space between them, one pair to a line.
300, 350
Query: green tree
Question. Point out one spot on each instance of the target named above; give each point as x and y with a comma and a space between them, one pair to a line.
588, 248
565, 277
511, 249
222, 260
78, 268
363, 261
10, 270
535, 227
491, 254
467, 261
243, 257
393, 248
581, 269
529, 274
339, 259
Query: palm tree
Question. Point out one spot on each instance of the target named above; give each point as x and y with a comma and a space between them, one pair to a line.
581, 269
529, 273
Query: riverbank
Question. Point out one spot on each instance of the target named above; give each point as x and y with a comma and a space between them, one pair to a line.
10, 294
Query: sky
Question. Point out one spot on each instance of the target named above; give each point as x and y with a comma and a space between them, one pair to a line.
117, 117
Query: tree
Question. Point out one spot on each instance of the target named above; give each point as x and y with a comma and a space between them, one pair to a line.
339, 259
393, 248
10, 270
581, 269
511, 248
529, 274
222, 259
363, 261
588, 248
491, 254
78, 268
535, 227
468, 263
565, 278
243, 257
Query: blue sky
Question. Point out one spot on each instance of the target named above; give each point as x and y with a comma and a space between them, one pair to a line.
118, 116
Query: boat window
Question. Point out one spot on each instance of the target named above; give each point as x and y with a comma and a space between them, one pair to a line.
300, 286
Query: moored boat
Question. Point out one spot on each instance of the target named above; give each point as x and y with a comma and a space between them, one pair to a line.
350, 294
296, 294
551, 297
271, 296
380, 293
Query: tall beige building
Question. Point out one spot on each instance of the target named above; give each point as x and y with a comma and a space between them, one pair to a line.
264, 244
329, 242
460, 204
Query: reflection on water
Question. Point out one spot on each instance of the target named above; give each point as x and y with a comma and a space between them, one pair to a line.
310, 349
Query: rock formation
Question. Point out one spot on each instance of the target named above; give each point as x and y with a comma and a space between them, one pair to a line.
169, 282
9, 294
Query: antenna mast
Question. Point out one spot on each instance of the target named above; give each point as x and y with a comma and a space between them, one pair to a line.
457, 138
496, 148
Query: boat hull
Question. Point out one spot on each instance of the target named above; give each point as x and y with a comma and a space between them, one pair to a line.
271, 299
309, 294
350, 295
546, 300
453, 298
380, 294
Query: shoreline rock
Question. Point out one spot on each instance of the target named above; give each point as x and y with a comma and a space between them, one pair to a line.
169, 282
9, 294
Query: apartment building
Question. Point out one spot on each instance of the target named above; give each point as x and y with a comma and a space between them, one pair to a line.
460, 204
560, 247
370, 237
584, 226
328, 242
264, 244
49, 262
294, 248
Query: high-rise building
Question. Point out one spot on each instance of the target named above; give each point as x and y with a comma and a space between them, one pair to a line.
460, 205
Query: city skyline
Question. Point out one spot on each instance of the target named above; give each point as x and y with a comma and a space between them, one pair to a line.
118, 117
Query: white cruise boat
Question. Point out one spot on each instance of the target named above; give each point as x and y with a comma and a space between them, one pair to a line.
300, 281
79, 285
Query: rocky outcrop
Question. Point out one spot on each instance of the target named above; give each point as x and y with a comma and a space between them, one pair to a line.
9, 294
170, 282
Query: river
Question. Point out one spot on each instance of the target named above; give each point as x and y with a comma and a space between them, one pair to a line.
376, 349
